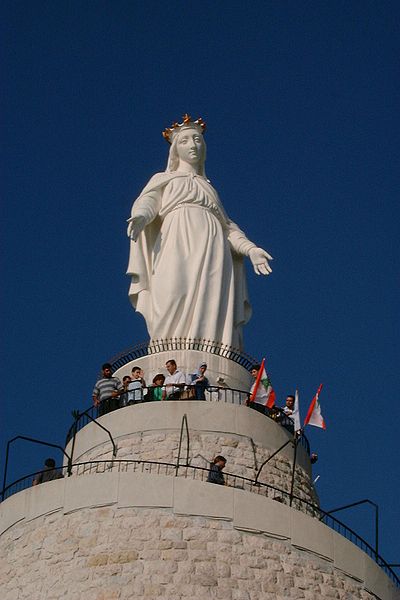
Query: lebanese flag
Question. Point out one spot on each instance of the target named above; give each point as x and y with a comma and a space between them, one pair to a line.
314, 416
263, 378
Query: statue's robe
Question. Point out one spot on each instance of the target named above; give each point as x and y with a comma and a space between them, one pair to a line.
186, 268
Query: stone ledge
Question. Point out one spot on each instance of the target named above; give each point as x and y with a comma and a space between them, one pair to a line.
246, 511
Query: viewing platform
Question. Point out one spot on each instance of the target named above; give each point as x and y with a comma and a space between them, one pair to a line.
133, 505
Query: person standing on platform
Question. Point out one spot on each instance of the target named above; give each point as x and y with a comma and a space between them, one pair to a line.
288, 409
199, 382
174, 382
156, 390
135, 388
215, 474
261, 397
49, 473
107, 390
123, 400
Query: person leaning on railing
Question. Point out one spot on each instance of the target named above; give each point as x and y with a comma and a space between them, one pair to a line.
137, 386
288, 409
198, 382
174, 382
123, 399
107, 390
155, 391
258, 400
49, 473
215, 474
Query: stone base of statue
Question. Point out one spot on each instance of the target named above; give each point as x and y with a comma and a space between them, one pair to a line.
139, 519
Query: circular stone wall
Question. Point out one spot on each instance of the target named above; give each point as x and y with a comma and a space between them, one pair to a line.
118, 536
246, 438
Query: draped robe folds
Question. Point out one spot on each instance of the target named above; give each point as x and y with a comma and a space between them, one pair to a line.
186, 267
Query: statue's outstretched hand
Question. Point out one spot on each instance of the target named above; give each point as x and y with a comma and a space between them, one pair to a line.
259, 259
135, 226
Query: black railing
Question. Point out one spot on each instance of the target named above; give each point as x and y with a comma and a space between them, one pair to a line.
141, 395
232, 480
174, 344
212, 394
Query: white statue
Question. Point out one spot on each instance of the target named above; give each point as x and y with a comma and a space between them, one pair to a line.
186, 255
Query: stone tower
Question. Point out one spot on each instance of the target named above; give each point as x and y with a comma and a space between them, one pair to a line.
136, 519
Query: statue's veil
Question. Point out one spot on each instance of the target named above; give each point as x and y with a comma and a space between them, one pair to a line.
173, 158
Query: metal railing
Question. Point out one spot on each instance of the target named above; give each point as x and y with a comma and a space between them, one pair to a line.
212, 394
232, 480
141, 395
174, 344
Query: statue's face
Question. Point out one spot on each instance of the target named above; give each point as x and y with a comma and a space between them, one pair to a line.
190, 146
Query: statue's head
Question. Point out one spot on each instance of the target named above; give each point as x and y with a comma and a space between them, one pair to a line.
187, 143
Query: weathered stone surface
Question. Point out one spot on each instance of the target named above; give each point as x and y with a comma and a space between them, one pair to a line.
243, 457
152, 554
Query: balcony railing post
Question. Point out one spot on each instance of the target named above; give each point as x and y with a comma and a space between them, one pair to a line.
34, 441
269, 458
75, 430
5, 468
376, 507
184, 422
104, 429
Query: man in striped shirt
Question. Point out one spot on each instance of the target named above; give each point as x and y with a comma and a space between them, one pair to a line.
107, 390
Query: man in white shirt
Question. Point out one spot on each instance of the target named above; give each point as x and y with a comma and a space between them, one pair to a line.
288, 409
174, 382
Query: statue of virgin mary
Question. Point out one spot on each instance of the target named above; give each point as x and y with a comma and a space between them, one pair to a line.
186, 255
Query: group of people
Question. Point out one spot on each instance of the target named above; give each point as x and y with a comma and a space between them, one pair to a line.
110, 393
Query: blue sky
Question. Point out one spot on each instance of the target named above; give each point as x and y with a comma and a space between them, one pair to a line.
301, 103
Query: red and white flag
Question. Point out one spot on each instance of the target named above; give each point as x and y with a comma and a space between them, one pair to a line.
263, 378
314, 416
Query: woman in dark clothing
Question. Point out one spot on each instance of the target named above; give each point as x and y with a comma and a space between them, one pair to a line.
215, 474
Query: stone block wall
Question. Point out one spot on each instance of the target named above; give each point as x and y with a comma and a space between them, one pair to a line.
153, 554
246, 438
244, 456
146, 537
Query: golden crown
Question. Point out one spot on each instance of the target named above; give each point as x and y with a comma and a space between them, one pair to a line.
169, 132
